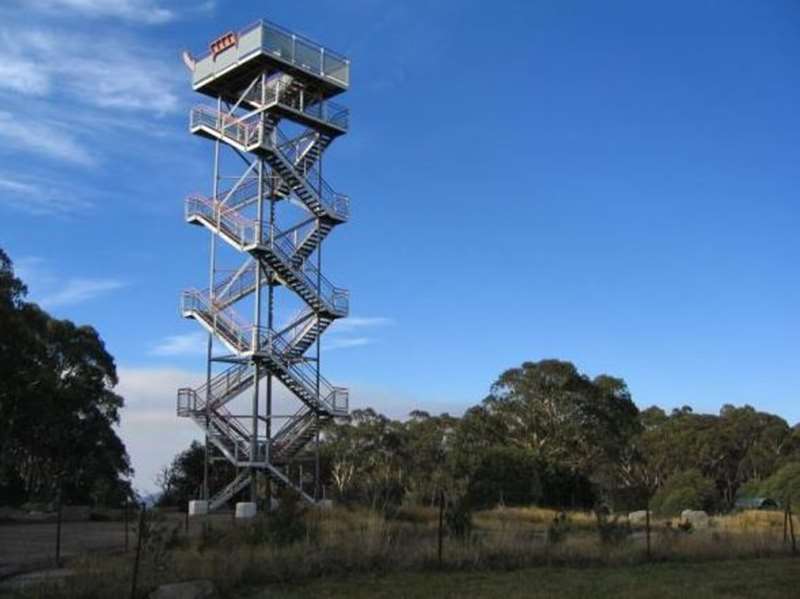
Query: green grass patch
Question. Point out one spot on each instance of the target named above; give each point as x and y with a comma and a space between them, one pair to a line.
758, 578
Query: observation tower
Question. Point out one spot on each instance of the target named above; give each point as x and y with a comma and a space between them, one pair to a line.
266, 303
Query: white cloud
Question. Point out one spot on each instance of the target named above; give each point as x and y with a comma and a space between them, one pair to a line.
24, 77
42, 138
142, 11
189, 344
51, 290
79, 290
149, 426
352, 323
345, 342
38, 198
102, 71
342, 332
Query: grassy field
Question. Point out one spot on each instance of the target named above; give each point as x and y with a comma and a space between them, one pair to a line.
509, 552
767, 579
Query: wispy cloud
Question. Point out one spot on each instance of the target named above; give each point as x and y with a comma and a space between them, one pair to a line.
100, 71
52, 290
79, 290
189, 344
24, 76
354, 323
343, 332
39, 198
142, 11
345, 342
42, 138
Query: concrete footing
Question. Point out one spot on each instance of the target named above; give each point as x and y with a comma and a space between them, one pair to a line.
245, 509
198, 507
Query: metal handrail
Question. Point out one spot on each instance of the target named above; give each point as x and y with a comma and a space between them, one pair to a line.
195, 300
241, 130
292, 422
244, 231
247, 131
290, 93
339, 203
339, 69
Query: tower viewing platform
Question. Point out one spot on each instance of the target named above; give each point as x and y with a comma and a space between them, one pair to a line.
235, 58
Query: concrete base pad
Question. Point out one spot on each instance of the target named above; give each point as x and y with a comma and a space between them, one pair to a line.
245, 509
198, 507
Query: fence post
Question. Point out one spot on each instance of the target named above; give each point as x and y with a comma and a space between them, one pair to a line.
791, 527
441, 524
786, 523
58, 524
647, 529
139, 536
127, 525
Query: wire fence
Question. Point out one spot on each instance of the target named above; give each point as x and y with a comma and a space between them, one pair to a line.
33, 540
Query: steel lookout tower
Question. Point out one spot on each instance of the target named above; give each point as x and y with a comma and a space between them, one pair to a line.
266, 303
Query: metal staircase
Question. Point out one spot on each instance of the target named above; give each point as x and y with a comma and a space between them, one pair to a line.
255, 93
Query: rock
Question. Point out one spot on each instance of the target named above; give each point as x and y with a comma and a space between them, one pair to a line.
193, 589
697, 518
639, 517
325, 504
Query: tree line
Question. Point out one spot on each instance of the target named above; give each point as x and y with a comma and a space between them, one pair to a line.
547, 434
57, 407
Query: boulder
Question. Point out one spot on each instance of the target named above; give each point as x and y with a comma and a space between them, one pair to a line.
697, 518
639, 517
193, 589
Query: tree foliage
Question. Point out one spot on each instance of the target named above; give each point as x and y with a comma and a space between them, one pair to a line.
57, 405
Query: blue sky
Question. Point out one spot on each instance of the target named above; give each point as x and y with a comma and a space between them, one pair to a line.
610, 183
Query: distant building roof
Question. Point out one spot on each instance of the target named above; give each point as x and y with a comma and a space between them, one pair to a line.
757, 503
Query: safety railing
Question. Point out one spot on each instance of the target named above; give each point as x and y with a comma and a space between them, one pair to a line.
338, 203
301, 371
302, 320
243, 131
336, 298
243, 337
244, 232
237, 334
235, 285
269, 38
241, 229
292, 94
288, 432
248, 132
223, 383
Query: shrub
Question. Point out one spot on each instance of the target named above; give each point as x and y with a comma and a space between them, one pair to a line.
287, 523
458, 517
687, 490
784, 485
505, 475
610, 530
558, 529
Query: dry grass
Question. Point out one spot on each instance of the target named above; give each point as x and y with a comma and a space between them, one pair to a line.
343, 543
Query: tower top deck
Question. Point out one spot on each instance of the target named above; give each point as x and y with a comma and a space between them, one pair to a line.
235, 58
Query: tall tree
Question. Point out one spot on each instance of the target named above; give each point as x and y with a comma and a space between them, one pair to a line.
57, 404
